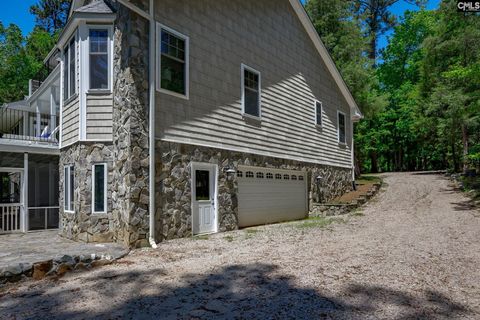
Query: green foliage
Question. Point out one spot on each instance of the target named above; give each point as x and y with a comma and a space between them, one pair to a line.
21, 58
51, 15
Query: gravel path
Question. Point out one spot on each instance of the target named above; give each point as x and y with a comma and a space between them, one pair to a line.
412, 253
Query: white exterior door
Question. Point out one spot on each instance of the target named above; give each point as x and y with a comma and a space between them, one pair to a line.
270, 195
204, 198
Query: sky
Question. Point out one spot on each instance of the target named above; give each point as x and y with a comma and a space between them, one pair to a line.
17, 11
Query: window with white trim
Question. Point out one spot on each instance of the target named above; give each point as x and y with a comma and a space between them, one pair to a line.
318, 113
99, 62
99, 188
173, 61
251, 92
68, 188
69, 70
342, 138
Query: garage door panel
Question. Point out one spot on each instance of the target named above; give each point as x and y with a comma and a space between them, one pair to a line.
263, 199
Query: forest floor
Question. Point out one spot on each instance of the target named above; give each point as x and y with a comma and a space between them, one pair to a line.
413, 252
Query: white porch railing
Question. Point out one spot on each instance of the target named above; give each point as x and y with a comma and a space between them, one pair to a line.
10, 217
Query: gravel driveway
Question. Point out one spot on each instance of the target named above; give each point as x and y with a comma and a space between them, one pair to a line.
412, 253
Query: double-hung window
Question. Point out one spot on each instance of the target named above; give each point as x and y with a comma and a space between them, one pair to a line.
342, 138
251, 92
99, 59
99, 188
173, 64
69, 70
318, 113
68, 188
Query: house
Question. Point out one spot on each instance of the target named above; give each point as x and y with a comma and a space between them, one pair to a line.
185, 117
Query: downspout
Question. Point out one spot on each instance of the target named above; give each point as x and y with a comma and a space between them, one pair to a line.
151, 114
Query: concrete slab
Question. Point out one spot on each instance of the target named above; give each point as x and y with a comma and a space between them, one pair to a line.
41, 246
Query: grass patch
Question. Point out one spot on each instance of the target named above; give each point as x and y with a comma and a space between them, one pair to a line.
358, 213
249, 233
202, 237
472, 184
318, 222
368, 180
229, 238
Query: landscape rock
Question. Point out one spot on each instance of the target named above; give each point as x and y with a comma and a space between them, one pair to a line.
41, 269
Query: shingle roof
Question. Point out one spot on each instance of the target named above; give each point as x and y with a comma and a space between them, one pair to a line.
96, 6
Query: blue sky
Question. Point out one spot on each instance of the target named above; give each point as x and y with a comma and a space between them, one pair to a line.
17, 11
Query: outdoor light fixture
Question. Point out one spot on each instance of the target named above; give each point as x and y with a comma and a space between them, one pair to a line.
319, 178
229, 171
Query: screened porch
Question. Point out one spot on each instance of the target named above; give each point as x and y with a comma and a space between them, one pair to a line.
28, 192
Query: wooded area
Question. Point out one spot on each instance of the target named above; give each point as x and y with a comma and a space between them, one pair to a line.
420, 94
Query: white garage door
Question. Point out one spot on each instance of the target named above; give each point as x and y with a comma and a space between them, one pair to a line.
269, 195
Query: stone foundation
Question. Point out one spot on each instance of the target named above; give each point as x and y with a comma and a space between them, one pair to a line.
173, 184
82, 225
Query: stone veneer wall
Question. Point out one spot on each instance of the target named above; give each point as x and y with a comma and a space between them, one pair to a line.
130, 127
173, 186
82, 225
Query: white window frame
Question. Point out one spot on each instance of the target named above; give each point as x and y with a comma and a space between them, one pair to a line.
67, 67
338, 127
315, 102
105, 185
158, 54
250, 69
66, 189
86, 57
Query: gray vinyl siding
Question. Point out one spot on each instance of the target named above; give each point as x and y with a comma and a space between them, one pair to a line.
70, 125
267, 36
99, 117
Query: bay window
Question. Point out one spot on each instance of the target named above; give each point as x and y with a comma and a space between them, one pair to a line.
69, 70
99, 59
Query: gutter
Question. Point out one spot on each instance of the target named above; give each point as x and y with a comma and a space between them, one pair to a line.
151, 115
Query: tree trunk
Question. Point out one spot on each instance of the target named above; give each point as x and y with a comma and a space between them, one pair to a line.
374, 160
454, 156
465, 147
373, 49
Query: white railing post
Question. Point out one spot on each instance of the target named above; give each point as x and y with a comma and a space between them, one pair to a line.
25, 194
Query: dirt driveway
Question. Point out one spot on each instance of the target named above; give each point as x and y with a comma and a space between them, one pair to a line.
412, 253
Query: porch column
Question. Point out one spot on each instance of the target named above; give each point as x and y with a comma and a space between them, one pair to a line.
38, 128
53, 110
24, 214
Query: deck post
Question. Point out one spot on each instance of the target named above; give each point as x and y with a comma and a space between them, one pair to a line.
24, 213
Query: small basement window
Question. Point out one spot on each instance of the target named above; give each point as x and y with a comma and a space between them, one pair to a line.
173, 61
341, 128
99, 188
318, 113
68, 188
251, 92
